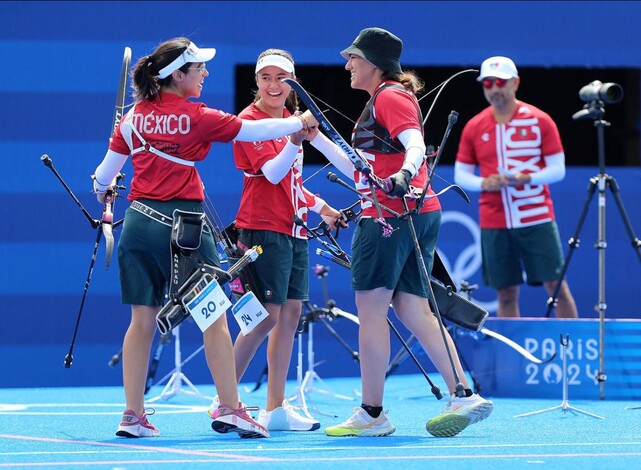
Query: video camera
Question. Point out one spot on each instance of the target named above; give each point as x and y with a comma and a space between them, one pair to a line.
606, 92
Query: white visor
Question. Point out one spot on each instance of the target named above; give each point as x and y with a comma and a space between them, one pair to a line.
191, 54
276, 60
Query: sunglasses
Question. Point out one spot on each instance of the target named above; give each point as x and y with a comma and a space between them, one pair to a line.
202, 68
489, 82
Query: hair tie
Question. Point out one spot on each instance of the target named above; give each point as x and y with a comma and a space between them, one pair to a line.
150, 62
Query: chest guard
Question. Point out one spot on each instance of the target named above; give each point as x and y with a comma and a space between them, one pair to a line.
370, 135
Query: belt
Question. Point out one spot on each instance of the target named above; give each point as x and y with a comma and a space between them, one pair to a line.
151, 213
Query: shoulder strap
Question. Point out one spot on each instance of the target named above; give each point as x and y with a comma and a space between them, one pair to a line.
127, 128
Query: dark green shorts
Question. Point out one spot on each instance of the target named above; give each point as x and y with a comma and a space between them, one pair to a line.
281, 272
507, 253
144, 256
390, 262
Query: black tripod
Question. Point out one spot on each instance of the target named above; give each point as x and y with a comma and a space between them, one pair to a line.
310, 315
595, 110
306, 384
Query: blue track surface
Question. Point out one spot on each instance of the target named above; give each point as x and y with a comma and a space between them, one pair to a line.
74, 428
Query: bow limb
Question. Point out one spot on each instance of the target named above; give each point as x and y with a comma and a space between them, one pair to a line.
111, 193
440, 89
107, 225
451, 120
517, 347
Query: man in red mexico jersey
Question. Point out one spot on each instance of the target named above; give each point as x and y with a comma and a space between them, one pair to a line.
518, 151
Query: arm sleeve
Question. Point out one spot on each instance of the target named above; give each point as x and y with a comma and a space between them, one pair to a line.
314, 203
412, 140
553, 172
276, 168
108, 169
268, 129
334, 154
464, 176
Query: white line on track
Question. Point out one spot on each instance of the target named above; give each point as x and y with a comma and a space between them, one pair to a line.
37, 409
449, 457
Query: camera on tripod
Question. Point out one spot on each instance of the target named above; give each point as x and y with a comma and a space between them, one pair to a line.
596, 95
607, 92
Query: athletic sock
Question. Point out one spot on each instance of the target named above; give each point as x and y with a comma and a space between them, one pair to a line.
373, 411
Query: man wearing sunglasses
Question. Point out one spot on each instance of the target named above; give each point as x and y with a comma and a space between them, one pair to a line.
518, 151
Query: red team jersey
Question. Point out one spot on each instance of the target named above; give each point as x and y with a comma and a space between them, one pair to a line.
520, 145
180, 128
263, 205
396, 110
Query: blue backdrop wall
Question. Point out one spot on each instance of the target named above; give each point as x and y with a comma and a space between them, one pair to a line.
58, 89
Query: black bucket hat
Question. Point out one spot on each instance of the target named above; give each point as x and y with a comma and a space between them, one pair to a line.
379, 47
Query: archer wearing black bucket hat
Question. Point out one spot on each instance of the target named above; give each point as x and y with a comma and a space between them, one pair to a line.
389, 137
378, 46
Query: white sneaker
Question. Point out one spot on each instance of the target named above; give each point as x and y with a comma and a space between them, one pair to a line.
459, 413
362, 424
286, 418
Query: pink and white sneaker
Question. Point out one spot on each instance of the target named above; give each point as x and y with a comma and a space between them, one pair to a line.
133, 425
237, 420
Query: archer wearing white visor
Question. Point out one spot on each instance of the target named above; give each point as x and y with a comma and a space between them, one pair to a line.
273, 194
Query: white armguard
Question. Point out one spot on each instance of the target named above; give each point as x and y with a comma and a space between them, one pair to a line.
108, 169
412, 140
553, 172
276, 168
268, 129
334, 154
464, 176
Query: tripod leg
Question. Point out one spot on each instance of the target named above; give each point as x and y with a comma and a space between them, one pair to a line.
614, 189
343, 343
261, 378
573, 243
